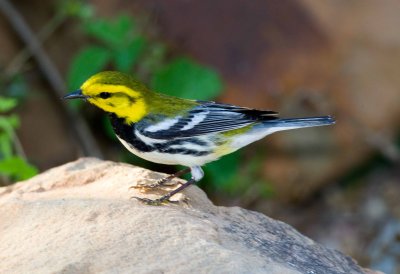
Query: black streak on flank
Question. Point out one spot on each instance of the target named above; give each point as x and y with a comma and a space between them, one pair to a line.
126, 133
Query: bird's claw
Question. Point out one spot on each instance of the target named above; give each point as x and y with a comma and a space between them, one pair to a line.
165, 182
145, 186
158, 183
155, 202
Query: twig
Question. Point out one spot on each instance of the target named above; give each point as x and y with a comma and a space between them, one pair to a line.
87, 143
22, 57
18, 146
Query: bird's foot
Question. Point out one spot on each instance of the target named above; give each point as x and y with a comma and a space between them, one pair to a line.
166, 197
166, 181
145, 186
155, 202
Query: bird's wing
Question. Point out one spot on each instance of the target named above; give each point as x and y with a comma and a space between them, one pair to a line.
208, 117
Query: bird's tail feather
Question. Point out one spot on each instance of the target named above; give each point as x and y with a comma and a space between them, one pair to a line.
270, 126
291, 123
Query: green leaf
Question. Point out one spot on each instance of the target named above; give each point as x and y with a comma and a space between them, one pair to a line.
223, 173
17, 168
13, 120
5, 146
75, 8
116, 33
230, 176
7, 103
184, 78
125, 58
9, 123
86, 63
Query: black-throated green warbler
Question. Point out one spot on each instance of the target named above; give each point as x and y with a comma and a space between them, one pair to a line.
175, 131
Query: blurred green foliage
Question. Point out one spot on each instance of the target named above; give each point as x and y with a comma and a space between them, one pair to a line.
17, 168
243, 177
184, 78
120, 43
89, 61
74, 8
13, 165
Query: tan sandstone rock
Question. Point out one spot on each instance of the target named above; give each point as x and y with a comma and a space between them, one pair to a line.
79, 218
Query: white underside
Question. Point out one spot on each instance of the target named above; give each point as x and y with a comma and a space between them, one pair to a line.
233, 144
254, 135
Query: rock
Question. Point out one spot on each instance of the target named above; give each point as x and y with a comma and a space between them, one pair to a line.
79, 218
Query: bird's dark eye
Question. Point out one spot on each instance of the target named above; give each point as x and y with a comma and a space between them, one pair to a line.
104, 95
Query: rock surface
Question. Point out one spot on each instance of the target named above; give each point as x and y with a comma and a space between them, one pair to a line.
79, 218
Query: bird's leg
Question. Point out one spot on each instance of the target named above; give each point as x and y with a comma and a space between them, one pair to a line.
164, 180
197, 174
178, 174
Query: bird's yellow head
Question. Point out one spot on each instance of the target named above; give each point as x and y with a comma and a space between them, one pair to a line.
115, 92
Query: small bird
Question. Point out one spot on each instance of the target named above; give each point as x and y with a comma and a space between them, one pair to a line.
175, 131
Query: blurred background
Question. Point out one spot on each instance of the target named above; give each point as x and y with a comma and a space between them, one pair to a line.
339, 185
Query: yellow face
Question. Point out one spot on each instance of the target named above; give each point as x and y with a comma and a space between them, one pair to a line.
119, 99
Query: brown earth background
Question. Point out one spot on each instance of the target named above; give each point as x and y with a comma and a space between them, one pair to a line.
338, 185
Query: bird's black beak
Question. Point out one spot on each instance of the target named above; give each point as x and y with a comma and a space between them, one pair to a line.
75, 95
